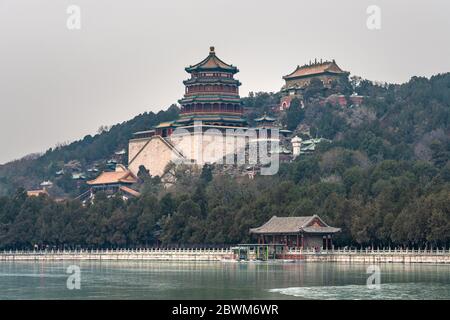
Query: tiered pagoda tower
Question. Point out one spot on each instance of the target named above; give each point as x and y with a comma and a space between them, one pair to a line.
212, 94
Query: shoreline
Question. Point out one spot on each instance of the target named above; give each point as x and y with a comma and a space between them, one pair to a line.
226, 255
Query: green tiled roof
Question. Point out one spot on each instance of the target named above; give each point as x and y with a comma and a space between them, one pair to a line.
212, 63
265, 117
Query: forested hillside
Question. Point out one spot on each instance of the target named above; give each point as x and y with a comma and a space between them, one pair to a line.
30, 171
384, 179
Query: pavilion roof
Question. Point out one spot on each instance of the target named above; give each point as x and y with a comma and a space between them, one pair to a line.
121, 175
212, 80
321, 229
143, 132
265, 117
46, 183
166, 124
212, 98
210, 117
212, 62
315, 69
36, 193
307, 224
130, 191
120, 152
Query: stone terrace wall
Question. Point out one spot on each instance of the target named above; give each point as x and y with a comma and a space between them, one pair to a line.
440, 256
110, 255
343, 256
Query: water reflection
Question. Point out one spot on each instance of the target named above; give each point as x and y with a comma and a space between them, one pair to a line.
217, 280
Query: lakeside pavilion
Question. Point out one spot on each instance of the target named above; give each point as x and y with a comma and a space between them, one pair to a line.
296, 232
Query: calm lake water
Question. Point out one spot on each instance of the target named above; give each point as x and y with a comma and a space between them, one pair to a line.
220, 280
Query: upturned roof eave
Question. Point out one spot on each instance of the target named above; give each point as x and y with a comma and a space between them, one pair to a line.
273, 232
212, 80
212, 56
295, 232
292, 76
217, 68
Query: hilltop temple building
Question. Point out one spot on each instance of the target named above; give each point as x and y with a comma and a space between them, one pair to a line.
300, 78
212, 94
211, 126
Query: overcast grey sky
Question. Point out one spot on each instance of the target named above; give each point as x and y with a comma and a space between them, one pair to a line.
129, 56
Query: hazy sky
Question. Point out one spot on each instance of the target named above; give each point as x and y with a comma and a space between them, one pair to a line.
129, 56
